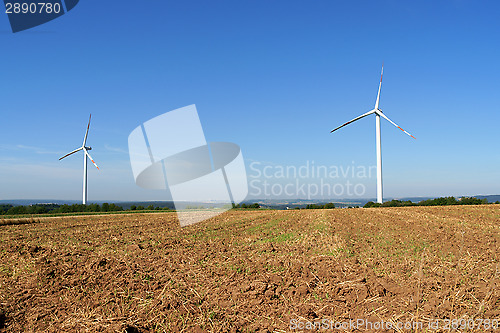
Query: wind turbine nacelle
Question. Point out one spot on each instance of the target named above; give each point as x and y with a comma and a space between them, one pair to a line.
88, 148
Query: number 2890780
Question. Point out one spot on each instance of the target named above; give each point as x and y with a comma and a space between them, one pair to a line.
32, 8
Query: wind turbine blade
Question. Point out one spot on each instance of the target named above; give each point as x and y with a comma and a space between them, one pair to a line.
387, 118
379, 88
74, 151
351, 121
86, 133
88, 155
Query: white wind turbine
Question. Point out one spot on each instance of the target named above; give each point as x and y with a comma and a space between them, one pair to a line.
378, 113
85, 155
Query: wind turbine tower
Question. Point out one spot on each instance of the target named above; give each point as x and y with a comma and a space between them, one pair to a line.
85, 156
378, 113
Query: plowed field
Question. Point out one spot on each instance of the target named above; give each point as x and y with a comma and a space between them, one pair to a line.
246, 271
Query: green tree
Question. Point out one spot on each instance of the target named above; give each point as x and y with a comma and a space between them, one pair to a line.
64, 209
114, 208
16, 210
5, 208
93, 208
329, 205
371, 204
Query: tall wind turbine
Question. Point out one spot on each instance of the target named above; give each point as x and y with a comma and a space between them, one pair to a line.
85, 155
378, 113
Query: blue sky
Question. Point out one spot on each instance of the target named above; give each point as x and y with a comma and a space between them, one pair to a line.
272, 76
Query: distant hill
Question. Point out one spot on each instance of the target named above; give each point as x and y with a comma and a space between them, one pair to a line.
339, 203
162, 204
27, 202
490, 198
271, 203
123, 204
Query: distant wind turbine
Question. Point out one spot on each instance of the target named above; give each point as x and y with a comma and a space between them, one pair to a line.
85, 155
378, 113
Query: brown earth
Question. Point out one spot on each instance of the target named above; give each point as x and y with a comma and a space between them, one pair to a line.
246, 271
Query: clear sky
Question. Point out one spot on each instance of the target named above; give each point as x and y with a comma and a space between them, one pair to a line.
272, 76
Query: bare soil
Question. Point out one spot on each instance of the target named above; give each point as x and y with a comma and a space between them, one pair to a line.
251, 271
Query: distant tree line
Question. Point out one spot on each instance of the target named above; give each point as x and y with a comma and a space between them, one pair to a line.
150, 207
31, 209
329, 205
76, 208
55, 209
8, 209
4, 208
243, 205
444, 201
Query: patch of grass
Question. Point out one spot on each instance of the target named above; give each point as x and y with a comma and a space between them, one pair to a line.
284, 238
238, 269
274, 269
348, 252
418, 247
269, 226
322, 227
281, 238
